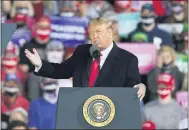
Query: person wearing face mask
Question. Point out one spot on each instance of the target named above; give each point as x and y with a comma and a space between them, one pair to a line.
164, 111
11, 98
42, 111
21, 12
55, 51
66, 8
12, 48
178, 13
41, 37
19, 114
99, 8
166, 64
148, 26
10, 66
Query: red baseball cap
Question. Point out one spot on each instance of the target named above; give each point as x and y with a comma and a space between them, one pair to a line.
43, 18
166, 79
148, 125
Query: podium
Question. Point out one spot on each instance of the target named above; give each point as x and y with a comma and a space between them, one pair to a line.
98, 108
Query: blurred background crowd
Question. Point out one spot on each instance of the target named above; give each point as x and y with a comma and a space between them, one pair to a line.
156, 31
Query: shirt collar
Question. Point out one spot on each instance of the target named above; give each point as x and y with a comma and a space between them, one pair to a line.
106, 51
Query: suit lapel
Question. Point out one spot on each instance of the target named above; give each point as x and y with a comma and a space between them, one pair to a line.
107, 66
84, 73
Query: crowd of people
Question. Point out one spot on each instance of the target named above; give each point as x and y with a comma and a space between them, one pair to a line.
29, 101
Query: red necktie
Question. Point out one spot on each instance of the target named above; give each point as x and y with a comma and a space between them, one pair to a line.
93, 73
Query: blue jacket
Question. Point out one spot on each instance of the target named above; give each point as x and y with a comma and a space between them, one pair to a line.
42, 114
156, 32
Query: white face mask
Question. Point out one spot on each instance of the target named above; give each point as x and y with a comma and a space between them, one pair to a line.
148, 20
55, 56
50, 97
50, 87
10, 89
67, 14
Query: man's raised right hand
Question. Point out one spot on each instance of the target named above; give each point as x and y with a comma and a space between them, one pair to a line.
33, 57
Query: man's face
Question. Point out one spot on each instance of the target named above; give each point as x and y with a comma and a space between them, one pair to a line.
100, 35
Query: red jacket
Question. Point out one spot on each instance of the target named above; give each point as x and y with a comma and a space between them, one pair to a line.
22, 77
20, 102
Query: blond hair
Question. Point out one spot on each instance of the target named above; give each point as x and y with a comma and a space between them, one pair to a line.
169, 50
100, 21
22, 112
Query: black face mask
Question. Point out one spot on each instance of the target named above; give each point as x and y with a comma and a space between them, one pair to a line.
180, 47
146, 24
10, 94
50, 91
147, 20
20, 25
166, 68
167, 65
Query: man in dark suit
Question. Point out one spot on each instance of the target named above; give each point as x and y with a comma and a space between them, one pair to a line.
118, 68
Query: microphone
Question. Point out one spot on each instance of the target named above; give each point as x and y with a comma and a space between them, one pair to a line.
95, 52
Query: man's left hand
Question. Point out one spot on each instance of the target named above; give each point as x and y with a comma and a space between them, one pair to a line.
141, 90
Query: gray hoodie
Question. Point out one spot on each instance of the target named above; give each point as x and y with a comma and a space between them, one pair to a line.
165, 116
152, 83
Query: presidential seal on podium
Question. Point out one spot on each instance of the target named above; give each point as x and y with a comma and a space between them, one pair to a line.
99, 110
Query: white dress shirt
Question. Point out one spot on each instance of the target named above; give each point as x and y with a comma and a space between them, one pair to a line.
104, 53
